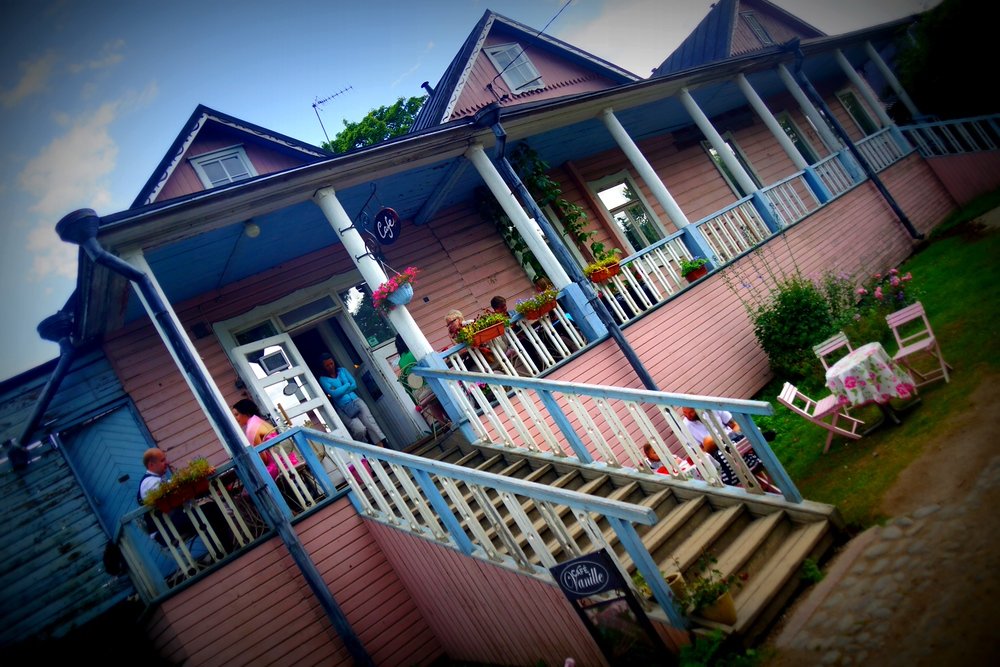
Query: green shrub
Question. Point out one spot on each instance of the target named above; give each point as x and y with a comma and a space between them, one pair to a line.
796, 318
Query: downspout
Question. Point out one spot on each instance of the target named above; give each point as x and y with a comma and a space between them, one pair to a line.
562, 254
57, 328
80, 228
793, 47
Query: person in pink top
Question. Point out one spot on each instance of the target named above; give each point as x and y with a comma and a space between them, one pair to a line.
258, 430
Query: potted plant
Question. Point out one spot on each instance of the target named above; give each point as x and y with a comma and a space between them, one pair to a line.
396, 291
708, 592
538, 305
604, 267
694, 268
186, 483
483, 329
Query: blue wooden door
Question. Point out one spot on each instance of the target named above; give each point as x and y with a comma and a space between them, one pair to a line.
106, 454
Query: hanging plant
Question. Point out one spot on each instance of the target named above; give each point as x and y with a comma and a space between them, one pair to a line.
396, 291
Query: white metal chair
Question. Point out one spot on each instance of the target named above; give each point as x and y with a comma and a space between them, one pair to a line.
825, 413
919, 339
831, 345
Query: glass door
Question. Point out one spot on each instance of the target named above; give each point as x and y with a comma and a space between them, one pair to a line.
284, 386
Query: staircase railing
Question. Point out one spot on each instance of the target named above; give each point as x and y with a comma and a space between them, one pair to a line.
879, 150
612, 425
461, 508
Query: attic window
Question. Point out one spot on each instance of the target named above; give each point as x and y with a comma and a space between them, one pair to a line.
751, 20
515, 67
223, 166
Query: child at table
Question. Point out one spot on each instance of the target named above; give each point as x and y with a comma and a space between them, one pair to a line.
698, 431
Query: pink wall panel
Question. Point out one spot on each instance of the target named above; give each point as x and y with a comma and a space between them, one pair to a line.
968, 176
259, 611
465, 600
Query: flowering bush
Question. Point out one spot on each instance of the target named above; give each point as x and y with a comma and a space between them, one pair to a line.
534, 303
381, 296
859, 311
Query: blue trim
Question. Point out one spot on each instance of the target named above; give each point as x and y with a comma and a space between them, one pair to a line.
575, 301
646, 566
696, 244
444, 513
766, 455
764, 208
816, 185
567, 429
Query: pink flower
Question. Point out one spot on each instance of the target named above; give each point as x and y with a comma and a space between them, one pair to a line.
878, 293
903, 390
850, 382
878, 276
862, 291
893, 271
908, 276
894, 281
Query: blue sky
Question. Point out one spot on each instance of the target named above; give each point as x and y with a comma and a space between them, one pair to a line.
93, 93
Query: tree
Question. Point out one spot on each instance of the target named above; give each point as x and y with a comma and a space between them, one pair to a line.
380, 124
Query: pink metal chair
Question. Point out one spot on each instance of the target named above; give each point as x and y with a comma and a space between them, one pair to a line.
918, 339
825, 413
831, 345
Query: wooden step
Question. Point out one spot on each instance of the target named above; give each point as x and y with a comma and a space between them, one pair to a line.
750, 547
765, 595
704, 538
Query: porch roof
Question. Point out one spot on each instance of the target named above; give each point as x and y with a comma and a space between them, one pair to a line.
196, 245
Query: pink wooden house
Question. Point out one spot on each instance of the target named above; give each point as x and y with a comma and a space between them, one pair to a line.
248, 255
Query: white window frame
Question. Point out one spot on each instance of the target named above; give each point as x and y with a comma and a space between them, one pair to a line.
625, 177
785, 117
741, 157
861, 110
198, 162
520, 63
757, 27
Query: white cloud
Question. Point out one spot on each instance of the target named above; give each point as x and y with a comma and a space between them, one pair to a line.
110, 55
52, 257
34, 79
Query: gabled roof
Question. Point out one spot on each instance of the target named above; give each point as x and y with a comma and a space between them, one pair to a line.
712, 39
199, 119
440, 102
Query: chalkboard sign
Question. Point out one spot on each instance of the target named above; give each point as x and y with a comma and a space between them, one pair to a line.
387, 226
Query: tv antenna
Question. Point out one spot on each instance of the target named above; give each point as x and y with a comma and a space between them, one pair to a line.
316, 104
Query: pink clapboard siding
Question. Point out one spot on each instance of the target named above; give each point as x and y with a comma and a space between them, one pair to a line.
969, 175
258, 610
486, 614
560, 77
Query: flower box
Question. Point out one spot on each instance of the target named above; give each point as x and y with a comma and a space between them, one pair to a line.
181, 494
540, 312
694, 275
486, 335
605, 273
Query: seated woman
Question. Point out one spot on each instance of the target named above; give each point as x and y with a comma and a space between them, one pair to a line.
422, 395
258, 430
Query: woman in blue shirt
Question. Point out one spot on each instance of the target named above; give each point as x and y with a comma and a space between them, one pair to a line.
339, 385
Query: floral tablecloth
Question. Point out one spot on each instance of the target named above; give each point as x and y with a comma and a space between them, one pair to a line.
867, 375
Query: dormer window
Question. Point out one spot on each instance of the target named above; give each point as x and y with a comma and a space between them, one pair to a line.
755, 25
515, 67
223, 166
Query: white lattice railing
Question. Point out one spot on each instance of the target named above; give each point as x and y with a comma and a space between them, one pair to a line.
734, 230
952, 137
647, 278
790, 199
879, 150
835, 177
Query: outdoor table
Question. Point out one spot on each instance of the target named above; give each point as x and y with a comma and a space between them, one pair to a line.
869, 375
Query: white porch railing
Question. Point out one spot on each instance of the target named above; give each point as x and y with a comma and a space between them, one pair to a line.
791, 199
833, 174
879, 150
610, 426
734, 230
164, 550
953, 137
525, 348
647, 278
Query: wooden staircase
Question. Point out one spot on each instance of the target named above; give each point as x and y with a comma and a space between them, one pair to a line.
766, 538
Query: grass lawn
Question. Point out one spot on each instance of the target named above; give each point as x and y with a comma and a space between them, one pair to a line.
956, 274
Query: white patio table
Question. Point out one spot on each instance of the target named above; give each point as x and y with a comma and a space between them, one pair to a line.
869, 375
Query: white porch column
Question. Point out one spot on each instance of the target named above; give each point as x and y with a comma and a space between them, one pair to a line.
138, 260
494, 181
772, 124
866, 92
370, 269
891, 79
825, 133
645, 169
718, 143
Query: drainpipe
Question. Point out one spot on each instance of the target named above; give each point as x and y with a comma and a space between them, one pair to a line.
818, 101
80, 228
492, 117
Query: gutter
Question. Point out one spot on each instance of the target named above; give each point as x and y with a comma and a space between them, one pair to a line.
80, 227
